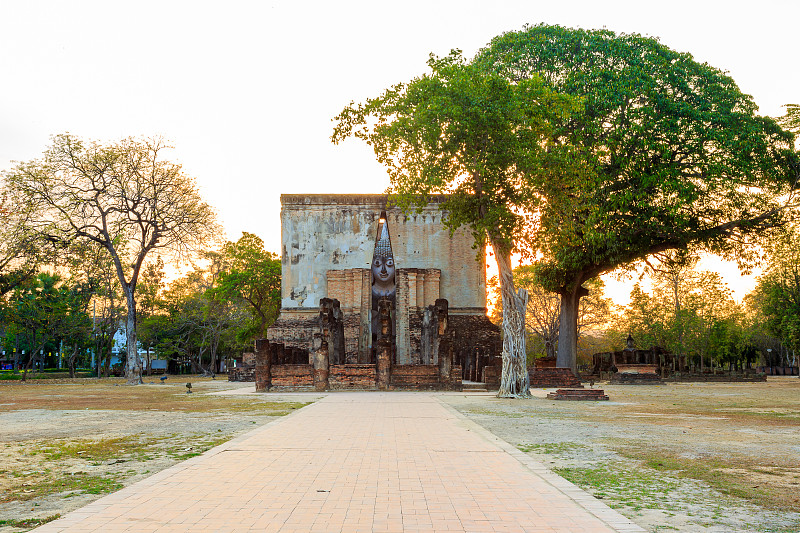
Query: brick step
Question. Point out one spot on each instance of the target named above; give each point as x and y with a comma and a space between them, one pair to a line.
591, 395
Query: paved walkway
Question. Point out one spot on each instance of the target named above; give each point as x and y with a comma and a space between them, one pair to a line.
354, 462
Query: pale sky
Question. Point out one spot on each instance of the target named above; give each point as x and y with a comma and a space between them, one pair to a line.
246, 90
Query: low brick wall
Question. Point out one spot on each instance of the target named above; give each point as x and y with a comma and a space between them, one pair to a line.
491, 376
356, 377
552, 378
293, 376
423, 377
242, 374
417, 377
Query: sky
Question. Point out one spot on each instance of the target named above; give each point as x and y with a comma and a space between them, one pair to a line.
246, 91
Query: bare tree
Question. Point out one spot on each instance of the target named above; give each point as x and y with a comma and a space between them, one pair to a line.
122, 196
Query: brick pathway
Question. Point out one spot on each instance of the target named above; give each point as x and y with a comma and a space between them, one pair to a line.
354, 462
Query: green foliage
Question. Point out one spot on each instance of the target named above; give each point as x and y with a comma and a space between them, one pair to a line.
777, 295
44, 310
791, 120
687, 312
252, 274
674, 153
468, 132
485, 141
670, 155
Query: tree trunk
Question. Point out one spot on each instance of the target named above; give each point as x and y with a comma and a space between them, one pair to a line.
514, 381
133, 365
71, 361
567, 355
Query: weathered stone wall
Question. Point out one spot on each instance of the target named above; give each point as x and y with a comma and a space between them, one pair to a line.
327, 247
323, 232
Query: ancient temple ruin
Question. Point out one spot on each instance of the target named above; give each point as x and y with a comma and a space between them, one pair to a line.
346, 257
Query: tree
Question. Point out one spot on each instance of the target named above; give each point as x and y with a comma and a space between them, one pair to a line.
203, 319
252, 274
486, 142
45, 310
122, 196
688, 312
150, 286
543, 312
778, 291
20, 250
673, 157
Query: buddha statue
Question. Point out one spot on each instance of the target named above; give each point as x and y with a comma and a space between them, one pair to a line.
383, 276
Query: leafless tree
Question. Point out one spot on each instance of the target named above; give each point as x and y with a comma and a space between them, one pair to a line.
123, 196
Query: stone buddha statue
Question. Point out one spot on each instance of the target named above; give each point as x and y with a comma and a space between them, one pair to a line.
383, 279
383, 266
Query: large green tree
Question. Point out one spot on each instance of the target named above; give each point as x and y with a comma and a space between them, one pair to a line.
123, 196
486, 141
674, 157
252, 274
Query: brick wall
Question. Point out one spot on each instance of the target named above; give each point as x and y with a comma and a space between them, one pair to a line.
417, 377
356, 377
293, 376
491, 376
247, 373
551, 378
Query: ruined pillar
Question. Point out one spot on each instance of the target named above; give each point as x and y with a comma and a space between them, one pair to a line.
263, 366
331, 325
321, 367
428, 336
384, 351
444, 342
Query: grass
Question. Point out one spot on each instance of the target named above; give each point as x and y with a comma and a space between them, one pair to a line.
198, 448
557, 448
730, 476
78, 483
637, 489
28, 523
96, 450
113, 394
53, 469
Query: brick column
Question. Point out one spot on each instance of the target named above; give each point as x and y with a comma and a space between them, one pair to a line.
263, 366
402, 310
365, 318
384, 351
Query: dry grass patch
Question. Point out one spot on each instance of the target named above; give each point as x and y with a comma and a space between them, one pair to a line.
769, 486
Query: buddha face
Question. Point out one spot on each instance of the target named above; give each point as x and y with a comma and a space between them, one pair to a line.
383, 270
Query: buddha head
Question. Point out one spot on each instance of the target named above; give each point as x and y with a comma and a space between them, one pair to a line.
383, 265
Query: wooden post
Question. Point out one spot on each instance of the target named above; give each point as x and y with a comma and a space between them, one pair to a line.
263, 366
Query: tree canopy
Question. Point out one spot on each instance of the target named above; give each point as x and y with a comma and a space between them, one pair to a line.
484, 140
253, 275
673, 156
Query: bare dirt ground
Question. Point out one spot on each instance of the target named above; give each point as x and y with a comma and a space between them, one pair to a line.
63, 445
721, 457
680, 457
